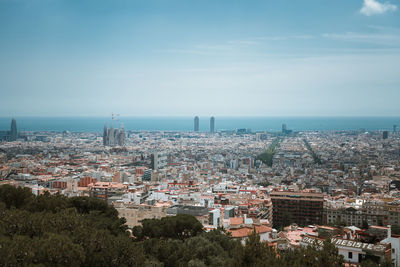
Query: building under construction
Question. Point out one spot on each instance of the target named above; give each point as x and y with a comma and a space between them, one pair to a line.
114, 136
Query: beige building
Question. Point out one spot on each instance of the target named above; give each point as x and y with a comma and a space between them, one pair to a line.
393, 209
134, 213
374, 213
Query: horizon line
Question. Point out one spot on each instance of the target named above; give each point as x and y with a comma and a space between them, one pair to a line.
207, 116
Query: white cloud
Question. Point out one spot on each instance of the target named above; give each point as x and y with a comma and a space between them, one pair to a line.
284, 38
243, 42
373, 7
352, 36
385, 39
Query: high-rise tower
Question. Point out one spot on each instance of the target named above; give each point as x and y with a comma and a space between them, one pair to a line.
284, 128
385, 134
196, 124
212, 125
13, 131
105, 136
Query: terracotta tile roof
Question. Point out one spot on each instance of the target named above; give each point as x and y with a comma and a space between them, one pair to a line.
246, 231
263, 229
236, 220
241, 232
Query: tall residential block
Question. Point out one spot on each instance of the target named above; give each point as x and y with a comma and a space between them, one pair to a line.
212, 125
13, 130
302, 208
385, 134
196, 124
159, 160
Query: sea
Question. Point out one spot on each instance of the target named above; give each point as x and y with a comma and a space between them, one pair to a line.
185, 124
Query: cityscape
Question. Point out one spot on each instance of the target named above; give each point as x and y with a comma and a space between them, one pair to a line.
291, 187
200, 133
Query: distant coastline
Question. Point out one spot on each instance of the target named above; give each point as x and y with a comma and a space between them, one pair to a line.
185, 124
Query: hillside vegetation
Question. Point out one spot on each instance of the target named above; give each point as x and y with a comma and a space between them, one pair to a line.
52, 230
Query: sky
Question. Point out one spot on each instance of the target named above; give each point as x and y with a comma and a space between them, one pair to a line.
200, 57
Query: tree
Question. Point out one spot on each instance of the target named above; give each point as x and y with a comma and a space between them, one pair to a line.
48, 203
369, 263
326, 255
16, 197
385, 262
52, 230
58, 250
201, 248
169, 252
268, 155
329, 255
257, 253
180, 227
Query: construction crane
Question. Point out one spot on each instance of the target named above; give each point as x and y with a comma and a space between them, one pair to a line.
114, 116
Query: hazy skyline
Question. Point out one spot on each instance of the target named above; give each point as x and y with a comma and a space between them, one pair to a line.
184, 58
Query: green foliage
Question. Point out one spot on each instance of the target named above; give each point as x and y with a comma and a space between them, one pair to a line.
48, 203
201, 248
177, 227
257, 253
371, 263
386, 263
313, 255
57, 231
52, 230
317, 160
215, 248
167, 251
15, 197
268, 155
86, 205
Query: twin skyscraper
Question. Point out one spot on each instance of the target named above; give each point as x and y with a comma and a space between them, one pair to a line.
197, 124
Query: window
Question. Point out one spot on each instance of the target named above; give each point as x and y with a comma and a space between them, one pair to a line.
350, 255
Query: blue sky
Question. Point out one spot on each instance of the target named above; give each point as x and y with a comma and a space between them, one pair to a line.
200, 57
